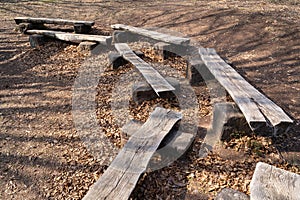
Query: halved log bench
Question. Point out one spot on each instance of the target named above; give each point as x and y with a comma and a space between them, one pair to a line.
79, 26
153, 34
73, 37
177, 142
166, 44
258, 110
119, 180
156, 81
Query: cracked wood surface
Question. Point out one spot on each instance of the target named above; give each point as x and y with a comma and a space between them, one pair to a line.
119, 180
269, 182
255, 106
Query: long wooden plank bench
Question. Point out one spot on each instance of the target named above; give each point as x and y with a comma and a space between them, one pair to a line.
153, 34
156, 81
257, 108
177, 142
71, 37
79, 26
119, 180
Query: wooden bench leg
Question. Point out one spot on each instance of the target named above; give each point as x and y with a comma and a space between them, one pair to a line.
176, 141
197, 72
81, 28
87, 46
125, 36
227, 119
142, 91
116, 60
162, 51
36, 41
23, 27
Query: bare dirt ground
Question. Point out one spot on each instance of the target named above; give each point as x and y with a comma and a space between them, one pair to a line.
43, 157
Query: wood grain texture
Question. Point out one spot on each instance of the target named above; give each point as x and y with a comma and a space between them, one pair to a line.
269, 183
254, 105
73, 37
176, 140
156, 81
246, 105
32, 20
122, 175
153, 34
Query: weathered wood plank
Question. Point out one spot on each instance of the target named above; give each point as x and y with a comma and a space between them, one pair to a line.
269, 182
33, 20
177, 140
120, 178
157, 82
142, 91
153, 34
131, 127
72, 37
254, 105
249, 108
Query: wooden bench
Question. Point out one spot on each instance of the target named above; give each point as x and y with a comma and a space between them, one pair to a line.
156, 81
269, 182
176, 142
258, 110
73, 37
79, 26
119, 180
153, 34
